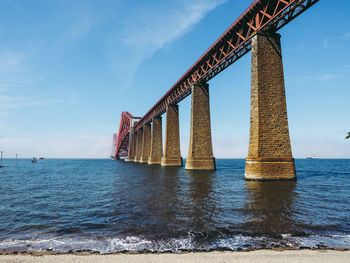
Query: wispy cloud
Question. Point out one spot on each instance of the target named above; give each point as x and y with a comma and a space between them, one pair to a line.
10, 62
335, 42
331, 43
148, 30
14, 71
345, 36
321, 146
13, 75
12, 103
77, 28
299, 47
322, 77
74, 146
19, 10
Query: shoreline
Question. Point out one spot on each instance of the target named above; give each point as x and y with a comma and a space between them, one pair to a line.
146, 252
264, 256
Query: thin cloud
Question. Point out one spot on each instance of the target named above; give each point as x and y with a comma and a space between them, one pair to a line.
146, 31
345, 36
10, 82
78, 28
10, 62
19, 10
73, 146
15, 71
331, 43
14, 103
13, 75
8, 98
323, 77
150, 30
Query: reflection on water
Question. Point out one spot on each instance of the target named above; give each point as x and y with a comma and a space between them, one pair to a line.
202, 201
269, 209
113, 206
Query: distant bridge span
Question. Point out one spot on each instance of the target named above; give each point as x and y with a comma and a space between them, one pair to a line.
122, 140
254, 30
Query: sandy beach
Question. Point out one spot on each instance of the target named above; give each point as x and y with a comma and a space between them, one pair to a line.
263, 256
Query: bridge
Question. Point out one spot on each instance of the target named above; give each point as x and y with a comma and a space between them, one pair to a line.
269, 154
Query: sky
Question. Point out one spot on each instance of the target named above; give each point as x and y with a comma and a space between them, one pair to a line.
69, 68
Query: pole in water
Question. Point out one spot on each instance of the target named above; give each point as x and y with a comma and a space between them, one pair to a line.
1, 159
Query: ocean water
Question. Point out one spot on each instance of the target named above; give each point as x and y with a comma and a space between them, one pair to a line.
110, 206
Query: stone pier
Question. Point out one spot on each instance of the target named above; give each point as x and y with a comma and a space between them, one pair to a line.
172, 155
200, 154
270, 155
146, 143
131, 147
138, 145
156, 152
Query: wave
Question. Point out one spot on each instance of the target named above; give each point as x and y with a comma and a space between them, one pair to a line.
191, 243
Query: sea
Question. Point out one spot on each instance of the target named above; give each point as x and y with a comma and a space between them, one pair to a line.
109, 206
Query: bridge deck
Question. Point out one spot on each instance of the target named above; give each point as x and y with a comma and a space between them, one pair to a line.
261, 15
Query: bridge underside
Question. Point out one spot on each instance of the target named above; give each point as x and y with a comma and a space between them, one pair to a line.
123, 149
122, 143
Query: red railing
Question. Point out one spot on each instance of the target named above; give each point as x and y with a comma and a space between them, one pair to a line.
262, 15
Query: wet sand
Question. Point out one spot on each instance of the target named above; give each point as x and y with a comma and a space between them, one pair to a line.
263, 256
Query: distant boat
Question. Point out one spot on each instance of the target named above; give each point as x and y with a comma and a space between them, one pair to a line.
311, 157
34, 160
41, 158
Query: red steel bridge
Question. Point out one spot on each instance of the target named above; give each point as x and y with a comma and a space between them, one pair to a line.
261, 16
121, 140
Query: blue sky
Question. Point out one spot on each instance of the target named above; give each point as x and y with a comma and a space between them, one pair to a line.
69, 68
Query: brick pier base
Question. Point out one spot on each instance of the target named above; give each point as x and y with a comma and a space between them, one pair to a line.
200, 154
139, 140
146, 143
172, 155
270, 155
132, 147
156, 152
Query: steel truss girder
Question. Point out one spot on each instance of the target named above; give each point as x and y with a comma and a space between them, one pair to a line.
122, 141
262, 15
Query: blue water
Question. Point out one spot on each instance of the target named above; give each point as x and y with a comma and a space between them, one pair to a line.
109, 206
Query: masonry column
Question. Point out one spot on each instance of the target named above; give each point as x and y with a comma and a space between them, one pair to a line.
156, 141
172, 155
270, 155
131, 152
200, 154
146, 143
139, 145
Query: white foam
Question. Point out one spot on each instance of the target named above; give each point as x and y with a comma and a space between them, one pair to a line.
138, 243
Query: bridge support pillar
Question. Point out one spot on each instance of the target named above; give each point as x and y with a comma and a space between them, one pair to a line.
200, 154
172, 155
156, 141
132, 148
270, 155
139, 140
146, 143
